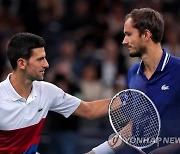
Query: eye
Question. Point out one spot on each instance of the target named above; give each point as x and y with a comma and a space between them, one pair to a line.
41, 58
128, 34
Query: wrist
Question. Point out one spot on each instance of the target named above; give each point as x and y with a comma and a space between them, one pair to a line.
103, 148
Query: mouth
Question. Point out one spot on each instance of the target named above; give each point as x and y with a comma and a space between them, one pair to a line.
42, 72
129, 47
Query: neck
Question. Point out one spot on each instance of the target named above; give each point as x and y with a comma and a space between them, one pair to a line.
151, 60
21, 84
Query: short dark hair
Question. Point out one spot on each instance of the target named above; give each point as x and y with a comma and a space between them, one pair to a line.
20, 46
147, 18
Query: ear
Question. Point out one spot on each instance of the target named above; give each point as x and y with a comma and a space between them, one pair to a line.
147, 34
21, 63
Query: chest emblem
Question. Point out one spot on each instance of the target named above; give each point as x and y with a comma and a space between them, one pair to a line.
165, 87
40, 109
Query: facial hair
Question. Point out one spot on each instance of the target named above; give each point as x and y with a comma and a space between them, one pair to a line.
139, 52
34, 77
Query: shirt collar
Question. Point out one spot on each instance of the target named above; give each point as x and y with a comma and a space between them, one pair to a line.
12, 92
164, 61
162, 64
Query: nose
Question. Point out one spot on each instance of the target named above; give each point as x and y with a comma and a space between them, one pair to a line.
46, 64
124, 42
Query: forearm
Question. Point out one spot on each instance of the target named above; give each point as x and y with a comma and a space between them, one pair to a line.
114, 145
93, 109
99, 108
108, 147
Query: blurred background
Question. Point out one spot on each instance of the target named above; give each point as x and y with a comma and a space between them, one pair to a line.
86, 56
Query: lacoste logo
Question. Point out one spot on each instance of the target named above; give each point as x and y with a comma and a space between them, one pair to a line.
40, 109
165, 87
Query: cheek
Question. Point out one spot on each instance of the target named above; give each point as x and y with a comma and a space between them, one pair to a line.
136, 42
135, 39
132, 42
32, 68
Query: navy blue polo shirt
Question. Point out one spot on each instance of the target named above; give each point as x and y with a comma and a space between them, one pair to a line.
163, 88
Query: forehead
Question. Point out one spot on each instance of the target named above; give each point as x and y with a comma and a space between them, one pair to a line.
128, 25
36, 52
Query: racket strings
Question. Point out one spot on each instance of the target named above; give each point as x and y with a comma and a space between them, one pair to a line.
134, 118
145, 113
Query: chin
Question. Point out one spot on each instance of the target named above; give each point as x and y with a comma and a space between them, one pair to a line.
135, 54
39, 79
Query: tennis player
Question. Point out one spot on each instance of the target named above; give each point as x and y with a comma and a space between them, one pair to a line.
157, 75
25, 99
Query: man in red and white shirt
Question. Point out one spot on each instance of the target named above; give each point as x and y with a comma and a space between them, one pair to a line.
25, 99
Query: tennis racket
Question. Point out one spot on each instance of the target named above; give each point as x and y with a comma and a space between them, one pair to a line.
134, 118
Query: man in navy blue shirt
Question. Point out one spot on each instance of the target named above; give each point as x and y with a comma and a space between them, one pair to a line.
157, 75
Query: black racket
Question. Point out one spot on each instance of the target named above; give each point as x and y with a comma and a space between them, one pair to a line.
134, 118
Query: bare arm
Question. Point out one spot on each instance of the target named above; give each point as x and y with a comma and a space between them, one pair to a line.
93, 109
108, 147
114, 145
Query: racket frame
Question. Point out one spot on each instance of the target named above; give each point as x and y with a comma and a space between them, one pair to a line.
157, 113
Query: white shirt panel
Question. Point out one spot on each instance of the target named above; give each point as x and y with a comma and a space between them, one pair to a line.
17, 112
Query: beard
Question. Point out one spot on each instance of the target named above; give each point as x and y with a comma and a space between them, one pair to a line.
34, 77
138, 52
